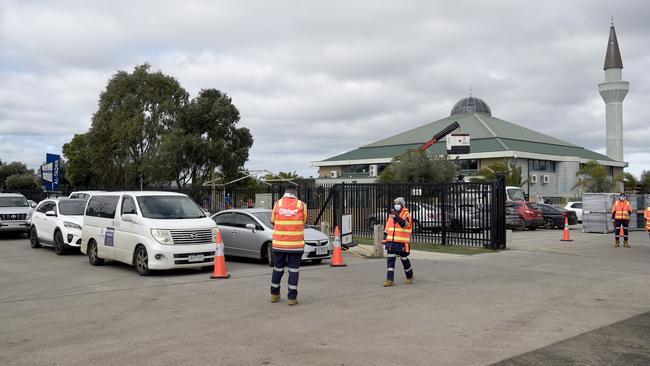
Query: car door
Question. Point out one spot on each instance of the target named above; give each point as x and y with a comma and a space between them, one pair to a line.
249, 241
126, 233
225, 223
49, 223
38, 219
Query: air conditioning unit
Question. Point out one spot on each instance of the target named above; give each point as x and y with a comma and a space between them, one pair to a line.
372, 169
533, 178
334, 174
546, 179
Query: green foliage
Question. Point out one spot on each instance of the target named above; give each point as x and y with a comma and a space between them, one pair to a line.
416, 166
512, 173
14, 169
22, 181
645, 181
206, 133
282, 176
629, 181
146, 131
593, 178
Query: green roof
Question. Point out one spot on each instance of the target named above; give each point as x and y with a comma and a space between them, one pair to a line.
488, 134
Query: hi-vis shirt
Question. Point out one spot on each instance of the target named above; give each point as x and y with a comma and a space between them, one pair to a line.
397, 234
289, 218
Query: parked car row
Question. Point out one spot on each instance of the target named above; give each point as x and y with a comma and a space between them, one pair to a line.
153, 230
534, 215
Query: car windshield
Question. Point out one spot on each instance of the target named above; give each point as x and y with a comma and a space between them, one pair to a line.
265, 217
72, 208
13, 202
169, 207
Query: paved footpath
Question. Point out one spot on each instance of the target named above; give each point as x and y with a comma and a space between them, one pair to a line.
462, 310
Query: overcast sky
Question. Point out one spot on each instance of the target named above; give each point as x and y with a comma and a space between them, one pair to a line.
313, 79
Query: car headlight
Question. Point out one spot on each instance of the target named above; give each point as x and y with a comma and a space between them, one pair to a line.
71, 225
215, 231
162, 236
29, 215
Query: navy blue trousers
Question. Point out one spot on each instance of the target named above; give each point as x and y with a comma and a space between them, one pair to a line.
617, 228
286, 259
392, 257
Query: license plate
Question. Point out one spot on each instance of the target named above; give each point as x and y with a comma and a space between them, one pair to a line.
196, 258
321, 251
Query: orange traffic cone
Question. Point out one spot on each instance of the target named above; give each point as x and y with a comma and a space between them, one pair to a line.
337, 256
566, 236
621, 233
219, 260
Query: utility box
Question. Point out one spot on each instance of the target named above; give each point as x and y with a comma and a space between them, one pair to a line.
264, 200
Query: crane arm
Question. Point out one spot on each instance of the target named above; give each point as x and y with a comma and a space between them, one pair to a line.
440, 135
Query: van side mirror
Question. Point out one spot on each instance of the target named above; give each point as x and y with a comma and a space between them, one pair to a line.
50, 213
250, 227
130, 218
32, 204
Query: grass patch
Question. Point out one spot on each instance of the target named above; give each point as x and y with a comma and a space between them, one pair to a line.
431, 247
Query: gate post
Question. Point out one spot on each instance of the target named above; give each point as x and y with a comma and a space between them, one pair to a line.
498, 213
443, 215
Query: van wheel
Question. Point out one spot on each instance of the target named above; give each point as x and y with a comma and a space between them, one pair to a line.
270, 255
141, 261
59, 245
93, 257
33, 238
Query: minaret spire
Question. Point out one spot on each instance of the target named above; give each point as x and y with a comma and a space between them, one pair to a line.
613, 91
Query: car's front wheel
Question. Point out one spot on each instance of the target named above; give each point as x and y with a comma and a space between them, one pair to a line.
141, 261
59, 245
93, 256
33, 238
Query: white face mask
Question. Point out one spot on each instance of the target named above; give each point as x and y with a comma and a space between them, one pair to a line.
622, 198
398, 207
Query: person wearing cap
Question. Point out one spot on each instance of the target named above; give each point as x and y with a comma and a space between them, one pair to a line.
397, 240
289, 218
621, 215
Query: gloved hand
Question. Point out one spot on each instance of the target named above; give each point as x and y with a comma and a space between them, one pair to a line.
396, 219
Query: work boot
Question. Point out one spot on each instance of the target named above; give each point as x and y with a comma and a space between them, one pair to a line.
388, 283
616, 245
292, 302
626, 244
275, 298
409, 281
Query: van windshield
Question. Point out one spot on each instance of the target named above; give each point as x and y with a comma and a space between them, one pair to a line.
72, 207
13, 202
516, 194
169, 208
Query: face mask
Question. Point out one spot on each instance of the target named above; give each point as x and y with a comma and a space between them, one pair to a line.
622, 198
398, 207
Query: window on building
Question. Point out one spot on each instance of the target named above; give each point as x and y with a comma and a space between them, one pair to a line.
541, 165
468, 164
355, 169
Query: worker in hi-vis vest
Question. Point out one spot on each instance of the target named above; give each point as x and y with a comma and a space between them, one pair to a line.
397, 240
646, 214
289, 218
621, 215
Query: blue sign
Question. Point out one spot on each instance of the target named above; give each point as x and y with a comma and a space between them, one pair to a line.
51, 172
109, 236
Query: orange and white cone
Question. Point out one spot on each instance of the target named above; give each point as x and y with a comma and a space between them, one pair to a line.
337, 256
621, 233
219, 260
566, 236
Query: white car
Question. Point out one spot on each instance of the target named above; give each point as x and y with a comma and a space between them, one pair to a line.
148, 230
83, 194
15, 213
575, 207
57, 223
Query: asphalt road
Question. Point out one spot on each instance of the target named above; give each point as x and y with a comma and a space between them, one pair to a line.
462, 310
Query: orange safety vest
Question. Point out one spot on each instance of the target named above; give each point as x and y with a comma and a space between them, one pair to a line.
289, 218
647, 218
622, 210
398, 234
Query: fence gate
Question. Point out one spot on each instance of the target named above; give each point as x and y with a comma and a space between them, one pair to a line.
464, 214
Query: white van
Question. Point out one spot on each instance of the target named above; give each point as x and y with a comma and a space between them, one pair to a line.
148, 230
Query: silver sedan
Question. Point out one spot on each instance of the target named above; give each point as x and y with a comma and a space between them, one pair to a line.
249, 233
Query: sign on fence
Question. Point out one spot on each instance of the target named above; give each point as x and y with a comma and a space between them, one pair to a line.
51, 172
346, 229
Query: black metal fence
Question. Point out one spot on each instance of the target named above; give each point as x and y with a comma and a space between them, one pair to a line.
465, 214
